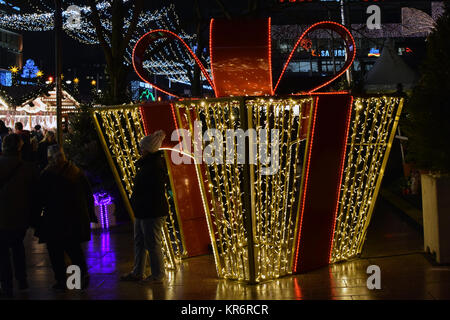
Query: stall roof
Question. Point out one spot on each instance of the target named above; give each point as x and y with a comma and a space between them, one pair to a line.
23, 97
388, 72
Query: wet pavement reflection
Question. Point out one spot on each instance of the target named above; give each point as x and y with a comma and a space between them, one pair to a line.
392, 243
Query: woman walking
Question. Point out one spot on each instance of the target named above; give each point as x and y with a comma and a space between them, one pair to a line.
68, 206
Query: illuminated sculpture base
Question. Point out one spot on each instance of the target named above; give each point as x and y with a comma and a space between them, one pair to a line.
303, 206
255, 222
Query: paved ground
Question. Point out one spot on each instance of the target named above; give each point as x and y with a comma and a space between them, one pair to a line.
393, 244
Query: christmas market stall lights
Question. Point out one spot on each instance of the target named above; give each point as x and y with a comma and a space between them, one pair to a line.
38, 107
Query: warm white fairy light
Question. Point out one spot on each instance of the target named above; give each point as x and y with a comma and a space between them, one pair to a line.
373, 124
122, 129
274, 196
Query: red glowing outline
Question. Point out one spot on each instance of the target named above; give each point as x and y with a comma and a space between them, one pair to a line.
174, 35
145, 123
343, 32
342, 165
176, 126
211, 53
270, 56
141, 111
323, 93
305, 188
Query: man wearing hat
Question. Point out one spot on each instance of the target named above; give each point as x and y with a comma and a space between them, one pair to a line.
150, 209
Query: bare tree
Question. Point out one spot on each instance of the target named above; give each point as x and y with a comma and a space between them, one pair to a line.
114, 44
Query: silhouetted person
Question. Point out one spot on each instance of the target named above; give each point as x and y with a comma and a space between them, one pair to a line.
68, 210
150, 209
3, 132
37, 133
48, 141
27, 151
18, 210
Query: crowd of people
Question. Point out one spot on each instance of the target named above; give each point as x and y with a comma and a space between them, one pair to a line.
61, 209
35, 142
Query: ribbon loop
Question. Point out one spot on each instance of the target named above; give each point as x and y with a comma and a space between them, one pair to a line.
148, 39
303, 41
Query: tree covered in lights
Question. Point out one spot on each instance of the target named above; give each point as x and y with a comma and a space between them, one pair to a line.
428, 110
116, 26
114, 44
29, 70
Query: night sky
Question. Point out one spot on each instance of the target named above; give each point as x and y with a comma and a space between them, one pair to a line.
39, 46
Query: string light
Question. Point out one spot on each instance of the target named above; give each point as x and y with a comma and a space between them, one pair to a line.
165, 18
373, 125
122, 129
14, 69
275, 199
273, 196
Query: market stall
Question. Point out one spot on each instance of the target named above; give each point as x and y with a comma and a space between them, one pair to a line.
39, 109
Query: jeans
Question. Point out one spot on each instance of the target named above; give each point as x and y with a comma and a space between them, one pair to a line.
56, 252
148, 236
13, 240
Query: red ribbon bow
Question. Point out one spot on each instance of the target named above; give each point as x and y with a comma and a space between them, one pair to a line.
240, 54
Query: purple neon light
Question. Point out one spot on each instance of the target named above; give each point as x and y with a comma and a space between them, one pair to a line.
102, 199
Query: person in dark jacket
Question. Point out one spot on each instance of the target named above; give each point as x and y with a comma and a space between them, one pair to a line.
27, 149
3, 133
150, 209
18, 210
68, 210
37, 133
48, 141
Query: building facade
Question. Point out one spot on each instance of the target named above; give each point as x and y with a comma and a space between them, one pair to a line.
405, 23
11, 46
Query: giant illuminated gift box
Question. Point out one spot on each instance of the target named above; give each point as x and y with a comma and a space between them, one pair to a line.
331, 153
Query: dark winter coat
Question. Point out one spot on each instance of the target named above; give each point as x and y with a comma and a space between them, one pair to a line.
148, 198
27, 149
42, 159
18, 205
2, 135
68, 205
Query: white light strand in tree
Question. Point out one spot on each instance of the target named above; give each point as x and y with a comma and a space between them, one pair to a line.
165, 18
